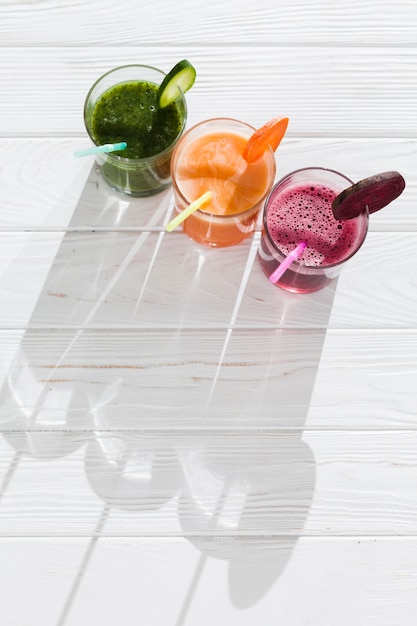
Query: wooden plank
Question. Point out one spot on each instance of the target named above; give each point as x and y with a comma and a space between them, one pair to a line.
211, 484
366, 378
267, 379
65, 192
164, 280
35, 578
49, 99
102, 23
241, 582
41, 182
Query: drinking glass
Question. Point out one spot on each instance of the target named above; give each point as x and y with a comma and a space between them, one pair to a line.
208, 158
299, 208
133, 176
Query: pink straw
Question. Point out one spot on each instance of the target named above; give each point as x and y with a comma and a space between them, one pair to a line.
292, 256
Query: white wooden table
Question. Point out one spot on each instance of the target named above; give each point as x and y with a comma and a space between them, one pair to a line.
181, 442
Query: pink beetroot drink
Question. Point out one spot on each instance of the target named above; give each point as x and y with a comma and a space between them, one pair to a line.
299, 208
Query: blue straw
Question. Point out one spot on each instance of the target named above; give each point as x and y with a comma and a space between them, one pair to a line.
107, 147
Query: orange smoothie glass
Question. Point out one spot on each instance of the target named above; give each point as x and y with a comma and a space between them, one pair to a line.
208, 158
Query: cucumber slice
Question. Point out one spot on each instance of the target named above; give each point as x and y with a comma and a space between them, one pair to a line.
182, 76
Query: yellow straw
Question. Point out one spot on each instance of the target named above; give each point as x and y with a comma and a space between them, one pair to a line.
196, 204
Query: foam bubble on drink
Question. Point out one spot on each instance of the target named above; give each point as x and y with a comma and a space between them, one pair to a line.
304, 213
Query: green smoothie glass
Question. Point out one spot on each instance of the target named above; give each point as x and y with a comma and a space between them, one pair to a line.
122, 106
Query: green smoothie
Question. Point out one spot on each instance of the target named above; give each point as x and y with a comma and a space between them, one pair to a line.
130, 112
122, 106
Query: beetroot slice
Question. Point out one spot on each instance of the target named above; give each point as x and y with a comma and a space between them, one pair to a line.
375, 192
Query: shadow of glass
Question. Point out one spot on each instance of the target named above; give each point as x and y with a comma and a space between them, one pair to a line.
43, 408
245, 499
38, 411
131, 472
242, 476
242, 498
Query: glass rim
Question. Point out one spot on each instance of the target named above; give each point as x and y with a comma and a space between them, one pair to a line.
296, 262
208, 214
128, 160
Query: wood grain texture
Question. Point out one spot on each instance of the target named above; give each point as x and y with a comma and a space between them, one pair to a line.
325, 92
181, 443
164, 280
218, 484
101, 23
128, 576
152, 379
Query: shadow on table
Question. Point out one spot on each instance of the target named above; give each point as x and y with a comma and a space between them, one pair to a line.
258, 507
238, 481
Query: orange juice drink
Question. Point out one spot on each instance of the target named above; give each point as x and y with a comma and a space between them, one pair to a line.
209, 158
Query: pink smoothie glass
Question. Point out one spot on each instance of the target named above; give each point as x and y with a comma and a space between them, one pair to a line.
299, 209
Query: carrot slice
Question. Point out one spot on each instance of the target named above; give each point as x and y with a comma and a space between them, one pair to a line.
270, 134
